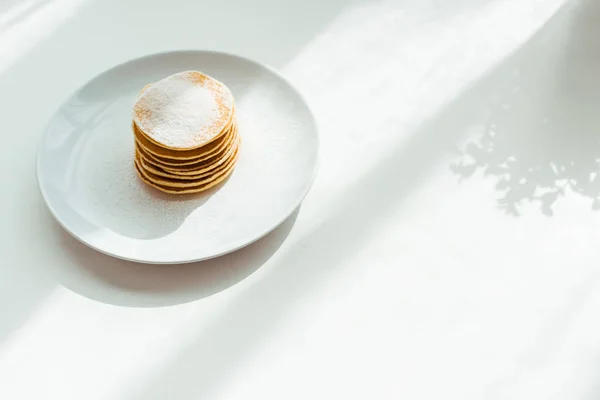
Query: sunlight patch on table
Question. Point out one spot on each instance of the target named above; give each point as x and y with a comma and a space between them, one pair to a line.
79, 343
380, 71
16, 12
23, 31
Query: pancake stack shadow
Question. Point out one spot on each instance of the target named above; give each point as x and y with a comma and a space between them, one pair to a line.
171, 162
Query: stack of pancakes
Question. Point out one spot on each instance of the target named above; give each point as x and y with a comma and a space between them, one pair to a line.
186, 138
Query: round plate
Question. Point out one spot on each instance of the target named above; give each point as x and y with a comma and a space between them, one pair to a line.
87, 177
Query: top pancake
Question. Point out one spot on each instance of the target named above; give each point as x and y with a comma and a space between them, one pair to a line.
186, 110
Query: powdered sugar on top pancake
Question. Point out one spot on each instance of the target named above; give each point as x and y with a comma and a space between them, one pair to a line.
184, 110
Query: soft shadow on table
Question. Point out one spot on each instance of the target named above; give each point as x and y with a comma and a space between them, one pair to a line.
541, 138
24, 286
112, 281
244, 326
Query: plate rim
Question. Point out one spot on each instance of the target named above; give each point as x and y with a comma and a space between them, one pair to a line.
142, 260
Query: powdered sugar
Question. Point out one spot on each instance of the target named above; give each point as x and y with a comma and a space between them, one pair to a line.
184, 110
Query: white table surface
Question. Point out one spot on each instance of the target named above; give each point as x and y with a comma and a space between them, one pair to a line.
449, 248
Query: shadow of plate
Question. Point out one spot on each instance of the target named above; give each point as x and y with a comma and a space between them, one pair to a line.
123, 283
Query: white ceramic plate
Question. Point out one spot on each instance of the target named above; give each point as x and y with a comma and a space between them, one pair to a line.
86, 174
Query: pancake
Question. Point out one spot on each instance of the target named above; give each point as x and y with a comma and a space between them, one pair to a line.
184, 111
176, 157
186, 136
192, 169
174, 190
175, 187
177, 183
210, 167
186, 169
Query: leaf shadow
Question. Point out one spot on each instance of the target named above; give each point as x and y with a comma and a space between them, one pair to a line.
540, 135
